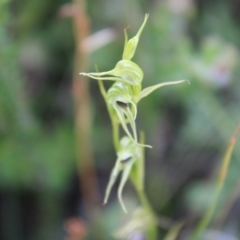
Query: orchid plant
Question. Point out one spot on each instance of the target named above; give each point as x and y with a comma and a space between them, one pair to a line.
121, 100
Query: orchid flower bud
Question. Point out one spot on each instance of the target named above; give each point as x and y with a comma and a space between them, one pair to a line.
128, 153
131, 45
125, 71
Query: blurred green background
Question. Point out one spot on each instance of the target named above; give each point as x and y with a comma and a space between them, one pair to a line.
189, 126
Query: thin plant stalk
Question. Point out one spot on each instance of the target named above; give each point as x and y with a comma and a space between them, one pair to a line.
83, 118
138, 182
204, 222
234, 196
174, 231
115, 124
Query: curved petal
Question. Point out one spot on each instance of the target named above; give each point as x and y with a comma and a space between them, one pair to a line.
125, 71
145, 92
112, 180
125, 175
120, 113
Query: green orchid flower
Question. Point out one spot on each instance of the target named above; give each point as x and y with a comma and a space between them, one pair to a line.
131, 45
125, 71
122, 107
128, 153
121, 100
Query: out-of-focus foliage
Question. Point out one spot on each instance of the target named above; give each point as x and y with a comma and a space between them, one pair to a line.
189, 127
27, 149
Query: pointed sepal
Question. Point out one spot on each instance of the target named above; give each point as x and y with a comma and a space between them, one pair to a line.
112, 180
131, 45
145, 92
125, 71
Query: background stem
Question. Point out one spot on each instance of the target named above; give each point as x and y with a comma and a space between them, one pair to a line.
221, 180
83, 118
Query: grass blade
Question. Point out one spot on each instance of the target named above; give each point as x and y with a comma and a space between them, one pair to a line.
204, 222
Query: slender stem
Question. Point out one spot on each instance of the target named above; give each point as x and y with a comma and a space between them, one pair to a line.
222, 176
152, 231
115, 127
83, 118
144, 201
138, 183
234, 196
114, 121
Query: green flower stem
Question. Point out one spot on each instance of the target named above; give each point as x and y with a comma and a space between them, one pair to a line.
152, 231
138, 182
144, 201
115, 123
115, 127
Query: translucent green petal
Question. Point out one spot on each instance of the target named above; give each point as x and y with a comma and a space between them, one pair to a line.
127, 155
145, 92
119, 92
125, 175
133, 109
94, 76
122, 120
112, 180
119, 99
129, 71
128, 147
131, 45
131, 119
125, 71
121, 113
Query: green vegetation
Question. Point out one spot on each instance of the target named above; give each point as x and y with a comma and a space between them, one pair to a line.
188, 126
